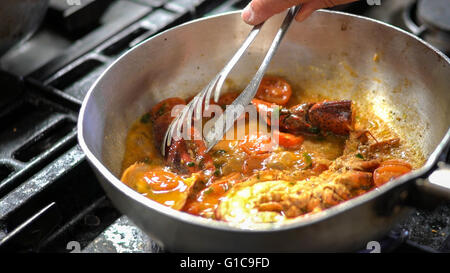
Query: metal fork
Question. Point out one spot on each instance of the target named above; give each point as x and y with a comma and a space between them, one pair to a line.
226, 120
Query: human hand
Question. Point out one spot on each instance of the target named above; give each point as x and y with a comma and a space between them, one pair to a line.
260, 10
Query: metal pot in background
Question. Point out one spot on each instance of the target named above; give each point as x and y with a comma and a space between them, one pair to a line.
19, 20
430, 20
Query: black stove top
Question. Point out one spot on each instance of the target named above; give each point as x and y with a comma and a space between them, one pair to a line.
50, 200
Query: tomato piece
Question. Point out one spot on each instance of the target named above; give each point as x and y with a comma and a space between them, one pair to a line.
165, 106
257, 147
157, 184
195, 207
264, 109
262, 105
274, 89
189, 156
386, 173
227, 99
254, 144
160, 126
270, 206
160, 180
289, 140
254, 162
319, 168
208, 199
396, 162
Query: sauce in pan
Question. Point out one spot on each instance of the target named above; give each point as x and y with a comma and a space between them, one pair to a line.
329, 151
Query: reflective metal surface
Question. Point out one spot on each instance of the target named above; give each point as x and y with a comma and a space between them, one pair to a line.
331, 51
20, 19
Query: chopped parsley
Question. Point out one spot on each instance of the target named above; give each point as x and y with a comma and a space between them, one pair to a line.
314, 130
211, 216
161, 110
190, 164
146, 160
308, 160
320, 138
145, 118
358, 155
209, 191
220, 152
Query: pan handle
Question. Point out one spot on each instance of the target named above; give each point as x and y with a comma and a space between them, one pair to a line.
431, 191
437, 183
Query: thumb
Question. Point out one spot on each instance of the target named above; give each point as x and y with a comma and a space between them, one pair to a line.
260, 10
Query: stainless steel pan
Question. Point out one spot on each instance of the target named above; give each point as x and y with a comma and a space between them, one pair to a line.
332, 53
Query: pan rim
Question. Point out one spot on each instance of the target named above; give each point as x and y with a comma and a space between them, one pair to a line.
259, 228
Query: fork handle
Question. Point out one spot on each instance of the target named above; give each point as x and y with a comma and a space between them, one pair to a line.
231, 63
250, 91
226, 120
251, 36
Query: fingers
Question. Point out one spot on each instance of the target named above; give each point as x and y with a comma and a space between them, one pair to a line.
260, 10
311, 6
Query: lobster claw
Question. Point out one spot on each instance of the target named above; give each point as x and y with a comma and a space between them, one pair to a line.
332, 116
295, 119
312, 118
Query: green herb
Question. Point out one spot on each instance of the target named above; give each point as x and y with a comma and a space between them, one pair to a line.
208, 191
292, 183
217, 173
145, 118
358, 155
190, 164
308, 160
146, 160
161, 110
314, 130
320, 138
220, 152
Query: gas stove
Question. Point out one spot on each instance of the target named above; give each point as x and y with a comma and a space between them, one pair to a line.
50, 200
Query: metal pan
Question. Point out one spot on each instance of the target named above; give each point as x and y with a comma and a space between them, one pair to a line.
333, 53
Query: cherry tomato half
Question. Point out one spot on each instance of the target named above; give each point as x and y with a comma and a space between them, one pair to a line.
165, 106
274, 89
289, 140
390, 170
254, 144
160, 180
